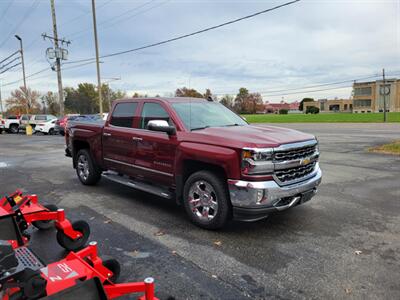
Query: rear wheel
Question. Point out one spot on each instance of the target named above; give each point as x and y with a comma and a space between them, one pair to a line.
14, 128
86, 169
44, 225
206, 200
51, 131
72, 245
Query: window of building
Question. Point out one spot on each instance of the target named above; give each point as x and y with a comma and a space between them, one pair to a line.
334, 107
363, 91
362, 103
123, 114
345, 107
153, 111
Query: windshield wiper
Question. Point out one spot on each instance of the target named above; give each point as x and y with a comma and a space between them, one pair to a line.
198, 128
236, 124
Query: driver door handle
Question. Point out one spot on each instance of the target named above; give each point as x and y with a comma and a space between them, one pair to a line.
137, 139
106, 134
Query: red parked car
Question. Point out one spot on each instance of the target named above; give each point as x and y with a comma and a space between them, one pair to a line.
199, 153
61, 123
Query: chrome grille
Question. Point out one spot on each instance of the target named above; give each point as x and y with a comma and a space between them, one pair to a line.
294, 174
291, 154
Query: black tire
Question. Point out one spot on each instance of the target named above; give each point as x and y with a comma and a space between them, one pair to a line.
45, 225
114, 266
94, 173
14, 128
220, 195
72, 245
17, 296
51, 131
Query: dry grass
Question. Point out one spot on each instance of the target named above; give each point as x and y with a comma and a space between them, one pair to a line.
391, 148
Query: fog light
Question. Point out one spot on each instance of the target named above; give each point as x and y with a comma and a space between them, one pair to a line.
260, 196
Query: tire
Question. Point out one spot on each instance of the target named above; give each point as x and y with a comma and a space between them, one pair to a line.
114, 266
51, 131
86, 169
72, 245
211, 192
14, 128
45, 225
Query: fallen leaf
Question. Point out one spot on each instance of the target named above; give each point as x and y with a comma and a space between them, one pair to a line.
218, 243
174, 252
358, 252
107, 221
159, 233
92, 218
214, 276
348, 291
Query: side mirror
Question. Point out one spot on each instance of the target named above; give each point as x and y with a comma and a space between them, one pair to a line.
161, 125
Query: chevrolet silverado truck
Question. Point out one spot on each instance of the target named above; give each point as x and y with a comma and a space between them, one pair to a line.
199, 153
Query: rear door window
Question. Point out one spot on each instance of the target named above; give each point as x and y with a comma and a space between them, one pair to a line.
153, 111
123, 114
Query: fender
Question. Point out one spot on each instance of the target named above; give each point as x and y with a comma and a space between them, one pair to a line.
223, 157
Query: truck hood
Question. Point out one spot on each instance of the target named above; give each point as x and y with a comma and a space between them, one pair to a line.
250, 136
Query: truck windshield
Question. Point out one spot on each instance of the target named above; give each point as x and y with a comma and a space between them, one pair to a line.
199, 115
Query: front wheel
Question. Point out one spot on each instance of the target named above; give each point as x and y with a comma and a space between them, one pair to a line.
51, 131
86, 169
206, 200
72, 245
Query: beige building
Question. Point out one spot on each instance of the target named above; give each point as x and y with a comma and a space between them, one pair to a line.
335, 105
369, 96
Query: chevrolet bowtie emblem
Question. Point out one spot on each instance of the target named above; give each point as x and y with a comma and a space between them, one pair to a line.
305, 161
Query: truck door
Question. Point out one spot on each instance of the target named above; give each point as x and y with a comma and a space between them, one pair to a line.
155, 154
119, 145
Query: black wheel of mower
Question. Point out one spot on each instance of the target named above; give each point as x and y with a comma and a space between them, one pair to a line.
114, 266
17, 296
72, 245
44, 225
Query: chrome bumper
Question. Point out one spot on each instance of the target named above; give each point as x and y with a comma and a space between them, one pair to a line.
253, 200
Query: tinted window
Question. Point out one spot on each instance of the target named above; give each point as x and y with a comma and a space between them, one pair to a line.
40, 118
123, 114
153, 111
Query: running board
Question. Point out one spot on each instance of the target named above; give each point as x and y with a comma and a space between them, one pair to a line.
148, 188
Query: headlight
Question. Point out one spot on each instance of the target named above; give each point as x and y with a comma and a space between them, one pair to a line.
257, 161
257, 154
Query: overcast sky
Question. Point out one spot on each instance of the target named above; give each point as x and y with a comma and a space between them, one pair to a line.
305, 44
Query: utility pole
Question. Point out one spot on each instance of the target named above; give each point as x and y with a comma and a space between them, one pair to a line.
58, 63
1, 101
384, 96
97, 57
21, 51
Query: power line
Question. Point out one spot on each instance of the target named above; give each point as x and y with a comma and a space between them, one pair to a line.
84, 14
79, 32
9, 68
44, 70
24, 18
191, 34
9, 63
11, 55
6, 10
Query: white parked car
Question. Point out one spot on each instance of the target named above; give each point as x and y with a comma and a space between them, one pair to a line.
46, 127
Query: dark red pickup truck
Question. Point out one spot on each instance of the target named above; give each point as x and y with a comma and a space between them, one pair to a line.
200, 153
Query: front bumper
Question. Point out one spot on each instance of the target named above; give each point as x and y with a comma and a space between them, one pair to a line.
245, 196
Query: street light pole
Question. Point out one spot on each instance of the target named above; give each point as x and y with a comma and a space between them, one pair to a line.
97, 57
21, 51
108, 90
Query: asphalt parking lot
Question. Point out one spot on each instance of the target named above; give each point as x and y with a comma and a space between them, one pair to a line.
343, 244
